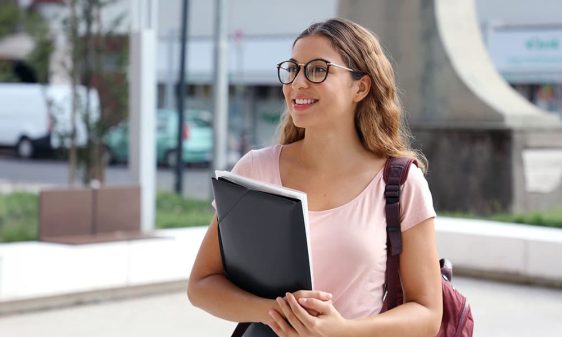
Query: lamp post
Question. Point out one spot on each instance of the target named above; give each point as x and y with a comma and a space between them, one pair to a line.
181, 98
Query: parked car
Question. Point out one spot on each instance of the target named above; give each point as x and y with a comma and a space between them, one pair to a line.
35, 117
197, 136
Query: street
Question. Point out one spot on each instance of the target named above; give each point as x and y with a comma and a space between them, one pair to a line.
499, 309
196, 180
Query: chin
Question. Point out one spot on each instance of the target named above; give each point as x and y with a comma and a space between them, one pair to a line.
300, 121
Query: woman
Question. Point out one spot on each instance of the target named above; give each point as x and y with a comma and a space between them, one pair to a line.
342, 122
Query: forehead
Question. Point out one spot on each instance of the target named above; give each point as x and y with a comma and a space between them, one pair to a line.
314, 47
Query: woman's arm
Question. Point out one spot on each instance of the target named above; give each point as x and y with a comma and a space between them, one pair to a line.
421, 313
210, 290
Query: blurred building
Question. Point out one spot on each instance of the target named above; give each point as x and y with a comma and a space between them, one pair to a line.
524, 39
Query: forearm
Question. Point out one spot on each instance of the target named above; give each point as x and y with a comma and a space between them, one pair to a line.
219, 297
408, 320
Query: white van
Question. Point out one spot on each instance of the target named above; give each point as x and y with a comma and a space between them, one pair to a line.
36, 117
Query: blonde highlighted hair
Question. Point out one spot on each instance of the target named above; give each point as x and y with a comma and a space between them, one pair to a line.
379, 121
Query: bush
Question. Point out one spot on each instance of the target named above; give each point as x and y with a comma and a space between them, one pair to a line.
549, 218
19, 214
173, 211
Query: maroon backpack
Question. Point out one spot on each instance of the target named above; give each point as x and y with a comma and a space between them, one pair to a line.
457, 317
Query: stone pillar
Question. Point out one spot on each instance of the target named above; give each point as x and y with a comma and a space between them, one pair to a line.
482, 139
142, 106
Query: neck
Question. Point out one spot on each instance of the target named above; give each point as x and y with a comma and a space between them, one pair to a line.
332, 150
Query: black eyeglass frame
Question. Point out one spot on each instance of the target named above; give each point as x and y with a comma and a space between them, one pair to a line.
356, 74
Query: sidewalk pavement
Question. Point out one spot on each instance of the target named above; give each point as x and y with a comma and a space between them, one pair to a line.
38, 275
499, 310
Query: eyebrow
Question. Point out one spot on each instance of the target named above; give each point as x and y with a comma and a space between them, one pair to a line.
316, 58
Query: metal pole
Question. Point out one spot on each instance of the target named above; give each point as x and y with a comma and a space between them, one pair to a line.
181, 98
170, 81
220, 120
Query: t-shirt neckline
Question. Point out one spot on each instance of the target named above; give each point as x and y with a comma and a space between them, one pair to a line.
334, 209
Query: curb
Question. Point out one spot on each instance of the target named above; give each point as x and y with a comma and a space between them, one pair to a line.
89, 297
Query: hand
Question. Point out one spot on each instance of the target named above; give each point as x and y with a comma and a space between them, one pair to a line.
274, 305
320, 295
294, 319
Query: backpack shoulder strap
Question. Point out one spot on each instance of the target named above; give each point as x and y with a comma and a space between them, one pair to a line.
395, 174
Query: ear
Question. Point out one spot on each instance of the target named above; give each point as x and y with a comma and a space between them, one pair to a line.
362, 88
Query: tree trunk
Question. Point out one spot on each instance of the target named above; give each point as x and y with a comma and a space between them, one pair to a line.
74, 78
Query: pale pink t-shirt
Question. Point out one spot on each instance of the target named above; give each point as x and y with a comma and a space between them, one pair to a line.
348, 243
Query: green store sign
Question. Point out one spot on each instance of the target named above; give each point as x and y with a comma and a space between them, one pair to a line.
542, 44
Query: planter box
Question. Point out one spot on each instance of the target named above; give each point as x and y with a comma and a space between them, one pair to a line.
89, 215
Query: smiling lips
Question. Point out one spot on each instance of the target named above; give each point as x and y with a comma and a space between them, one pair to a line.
303, 103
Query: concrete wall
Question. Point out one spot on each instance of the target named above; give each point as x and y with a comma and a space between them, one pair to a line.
484, 171
468, 178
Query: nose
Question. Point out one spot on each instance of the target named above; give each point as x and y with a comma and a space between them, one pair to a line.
300, 81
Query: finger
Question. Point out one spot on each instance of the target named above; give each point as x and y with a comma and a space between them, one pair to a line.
321, 295
311, 312
290, 315
305, 319
278, 324
311, 294
322, 307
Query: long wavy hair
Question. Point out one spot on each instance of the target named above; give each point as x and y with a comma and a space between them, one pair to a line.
379, 121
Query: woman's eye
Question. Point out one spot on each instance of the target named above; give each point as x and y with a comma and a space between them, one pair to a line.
292, 69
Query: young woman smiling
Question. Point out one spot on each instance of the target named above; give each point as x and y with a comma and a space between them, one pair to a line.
343, 121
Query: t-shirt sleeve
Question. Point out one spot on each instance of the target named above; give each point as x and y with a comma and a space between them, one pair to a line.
243, 167
416, 202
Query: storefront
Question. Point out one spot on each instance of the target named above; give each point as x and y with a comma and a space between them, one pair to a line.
255, 99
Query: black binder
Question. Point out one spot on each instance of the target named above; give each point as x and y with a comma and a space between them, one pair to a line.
263, 242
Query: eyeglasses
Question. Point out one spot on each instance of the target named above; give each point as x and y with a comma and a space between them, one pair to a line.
316, 71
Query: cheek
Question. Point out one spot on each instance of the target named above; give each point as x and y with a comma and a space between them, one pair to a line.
340, 95
286, 91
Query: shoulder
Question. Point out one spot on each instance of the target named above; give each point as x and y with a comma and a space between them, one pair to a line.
416, 182
257, 160
266, 153
415, 175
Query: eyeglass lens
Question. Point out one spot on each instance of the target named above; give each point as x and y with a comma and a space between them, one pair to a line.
315, 71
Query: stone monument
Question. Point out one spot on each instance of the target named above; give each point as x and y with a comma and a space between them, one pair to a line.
489, 149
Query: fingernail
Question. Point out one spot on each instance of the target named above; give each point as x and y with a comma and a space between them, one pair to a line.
329, 296
302, 300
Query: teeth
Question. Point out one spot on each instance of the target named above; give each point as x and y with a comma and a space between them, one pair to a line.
304, 101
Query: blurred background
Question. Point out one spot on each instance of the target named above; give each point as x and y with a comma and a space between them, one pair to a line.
98, 168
